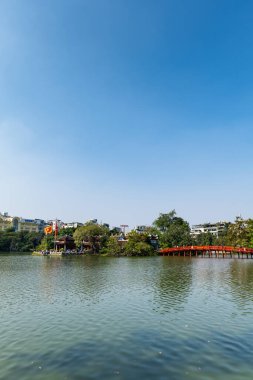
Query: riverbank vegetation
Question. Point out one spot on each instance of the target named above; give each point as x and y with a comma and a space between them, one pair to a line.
168, 230
11, 241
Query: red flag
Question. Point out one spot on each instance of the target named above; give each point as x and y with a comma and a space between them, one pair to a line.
48, 230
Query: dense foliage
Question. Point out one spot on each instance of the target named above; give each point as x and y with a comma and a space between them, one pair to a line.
47, 241
172, 230
11, 241
136, 244
94, 235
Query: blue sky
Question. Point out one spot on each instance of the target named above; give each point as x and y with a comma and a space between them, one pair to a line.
122, 109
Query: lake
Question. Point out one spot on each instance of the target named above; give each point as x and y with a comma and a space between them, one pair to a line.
125, 318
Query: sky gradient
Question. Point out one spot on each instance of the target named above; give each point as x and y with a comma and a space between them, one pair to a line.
122, 109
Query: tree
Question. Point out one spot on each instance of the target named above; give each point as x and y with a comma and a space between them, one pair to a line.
114, 231
222, 238
250, 233
205, 238
46, 243
164, 221
21, 241
66, 231
238, 233
94, 234
138, 244
113, 247
138, 249
174, 231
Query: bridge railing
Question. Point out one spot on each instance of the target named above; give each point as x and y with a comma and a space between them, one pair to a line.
208, 248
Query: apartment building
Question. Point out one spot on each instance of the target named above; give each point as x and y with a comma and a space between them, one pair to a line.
213, 228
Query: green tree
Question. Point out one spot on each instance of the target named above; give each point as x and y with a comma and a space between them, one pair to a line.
138, 244
94, 234
238, 233
66, 231
114, 247
174, 231
205, 238
46, 243
164, 221
138, 249
114, 231
6, 238
22, 241
250, 233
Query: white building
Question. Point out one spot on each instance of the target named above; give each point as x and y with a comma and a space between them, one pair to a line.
213, 228
72, 225
54, 223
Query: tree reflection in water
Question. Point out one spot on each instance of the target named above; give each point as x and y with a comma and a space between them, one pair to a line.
241, 272
174, 283
83, 278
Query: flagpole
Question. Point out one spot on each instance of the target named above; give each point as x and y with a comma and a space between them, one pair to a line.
55, 234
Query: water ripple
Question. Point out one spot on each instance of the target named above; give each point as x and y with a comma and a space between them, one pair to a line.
129, 318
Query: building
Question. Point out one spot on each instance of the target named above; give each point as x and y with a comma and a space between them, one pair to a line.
20, 224
27, 225
141, 229
64, 243
72, 225
41, 224
55, 223
213, 228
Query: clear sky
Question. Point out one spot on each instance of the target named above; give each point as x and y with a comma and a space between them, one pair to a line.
122, 109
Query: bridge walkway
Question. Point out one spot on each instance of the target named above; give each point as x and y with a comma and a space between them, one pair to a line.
208, 251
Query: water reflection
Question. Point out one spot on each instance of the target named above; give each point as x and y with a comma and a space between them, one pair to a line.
241, 281
129, 318
78, 278
173, 284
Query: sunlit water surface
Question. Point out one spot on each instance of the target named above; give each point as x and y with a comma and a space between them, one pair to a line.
128, 318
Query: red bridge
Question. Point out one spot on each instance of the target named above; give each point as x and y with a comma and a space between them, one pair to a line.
208, 251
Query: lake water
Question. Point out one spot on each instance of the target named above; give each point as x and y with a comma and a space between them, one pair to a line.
125, 318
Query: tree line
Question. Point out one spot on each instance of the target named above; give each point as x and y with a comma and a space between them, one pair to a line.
168, 230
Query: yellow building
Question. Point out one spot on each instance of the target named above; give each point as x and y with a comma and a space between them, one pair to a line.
18, 224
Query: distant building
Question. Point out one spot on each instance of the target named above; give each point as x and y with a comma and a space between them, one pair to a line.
20, 224
213, 228
72, 225
154, 241
41, 224
92, 221
54, 223
28, 225
141, 228
116, 230
65, 242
